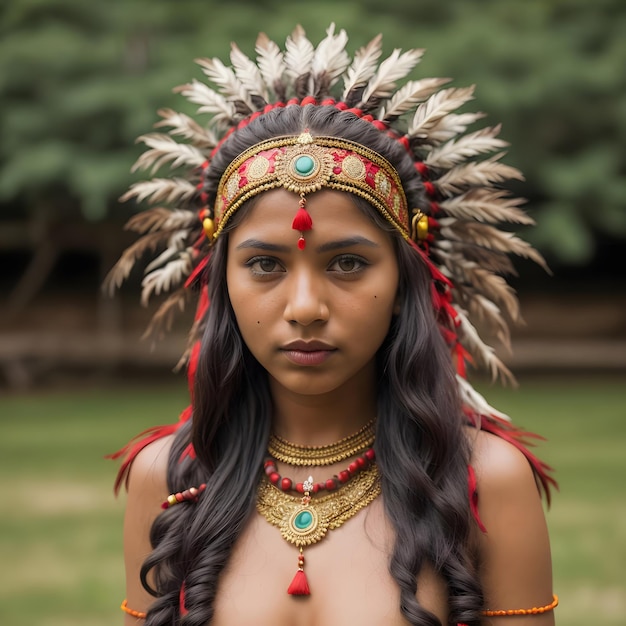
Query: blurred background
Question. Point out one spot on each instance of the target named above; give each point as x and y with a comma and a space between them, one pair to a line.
79, 81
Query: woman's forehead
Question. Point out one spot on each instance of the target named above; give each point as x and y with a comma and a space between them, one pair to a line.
334, 214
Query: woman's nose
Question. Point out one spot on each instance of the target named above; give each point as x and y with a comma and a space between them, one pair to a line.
306, 299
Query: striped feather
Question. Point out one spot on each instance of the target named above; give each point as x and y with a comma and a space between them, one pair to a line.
414, 92
271, 62
491, 238
363, 67
476, 173
497, 262
163, 279
396, 66
450, 126
227, 81
490, 316
163, 150
475, 401
458, 150
188, 128
330, 59
175, 244
222, 111
163, 320
483, 354
486, 205
299, 53
160, 218
122, 269
429, 113
248, 74
170, 190
491, 286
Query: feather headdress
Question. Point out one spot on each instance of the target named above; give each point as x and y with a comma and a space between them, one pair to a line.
461, 172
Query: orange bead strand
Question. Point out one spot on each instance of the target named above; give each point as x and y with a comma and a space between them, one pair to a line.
536, 610
132, 612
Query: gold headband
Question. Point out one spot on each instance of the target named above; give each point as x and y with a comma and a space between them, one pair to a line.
304, 164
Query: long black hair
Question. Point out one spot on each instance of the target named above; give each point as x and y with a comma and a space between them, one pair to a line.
421, 449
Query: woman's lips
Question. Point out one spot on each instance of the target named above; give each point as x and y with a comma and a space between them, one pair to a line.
308, 352
303, 357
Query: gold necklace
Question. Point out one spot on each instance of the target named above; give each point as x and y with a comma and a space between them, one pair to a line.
306, 456
304, 521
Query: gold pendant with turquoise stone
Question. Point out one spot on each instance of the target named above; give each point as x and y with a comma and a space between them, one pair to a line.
304, 521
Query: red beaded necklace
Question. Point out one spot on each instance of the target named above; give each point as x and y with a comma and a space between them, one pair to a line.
287, 484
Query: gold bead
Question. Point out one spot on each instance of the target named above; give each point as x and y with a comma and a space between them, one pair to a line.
209, 228
419, 225
422, 227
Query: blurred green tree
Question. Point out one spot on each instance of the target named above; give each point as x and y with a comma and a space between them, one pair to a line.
80, 80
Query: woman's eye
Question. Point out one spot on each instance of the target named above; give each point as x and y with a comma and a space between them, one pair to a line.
348, 264
264, 265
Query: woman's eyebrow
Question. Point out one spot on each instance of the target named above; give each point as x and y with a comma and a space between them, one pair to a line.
262, 245
346, 243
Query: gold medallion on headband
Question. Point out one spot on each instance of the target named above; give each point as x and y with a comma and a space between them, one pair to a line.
304, 167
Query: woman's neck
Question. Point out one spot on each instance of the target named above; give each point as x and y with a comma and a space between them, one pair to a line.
318, 420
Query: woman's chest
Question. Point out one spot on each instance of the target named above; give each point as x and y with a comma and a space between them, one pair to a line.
347, 573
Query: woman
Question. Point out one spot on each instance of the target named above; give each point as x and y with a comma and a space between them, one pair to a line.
335, 466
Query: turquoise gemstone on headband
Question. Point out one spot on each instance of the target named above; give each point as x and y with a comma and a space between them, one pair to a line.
304, 165
303, 520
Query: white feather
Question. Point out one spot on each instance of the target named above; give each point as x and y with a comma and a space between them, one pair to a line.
486, 205
489, 314
450, 126
248, 73
175, 244
330, 57
163, 279
363, 66
226, 80
409, 95
471, 398
396, 66
490, 238
170, 190
164, 150
270, 60
186, 127
428, 114
458, 150
299, 53
210, 101
476, 174
482, 353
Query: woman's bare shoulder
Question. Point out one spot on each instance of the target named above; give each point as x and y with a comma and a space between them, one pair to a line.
147, 490
498, 464
148, 472
514, 552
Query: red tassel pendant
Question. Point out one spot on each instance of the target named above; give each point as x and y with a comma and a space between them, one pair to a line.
299, 585
302, 222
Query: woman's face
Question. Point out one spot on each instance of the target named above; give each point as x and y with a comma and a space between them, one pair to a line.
313, 318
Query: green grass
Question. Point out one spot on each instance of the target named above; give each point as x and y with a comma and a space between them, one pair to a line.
60, 527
